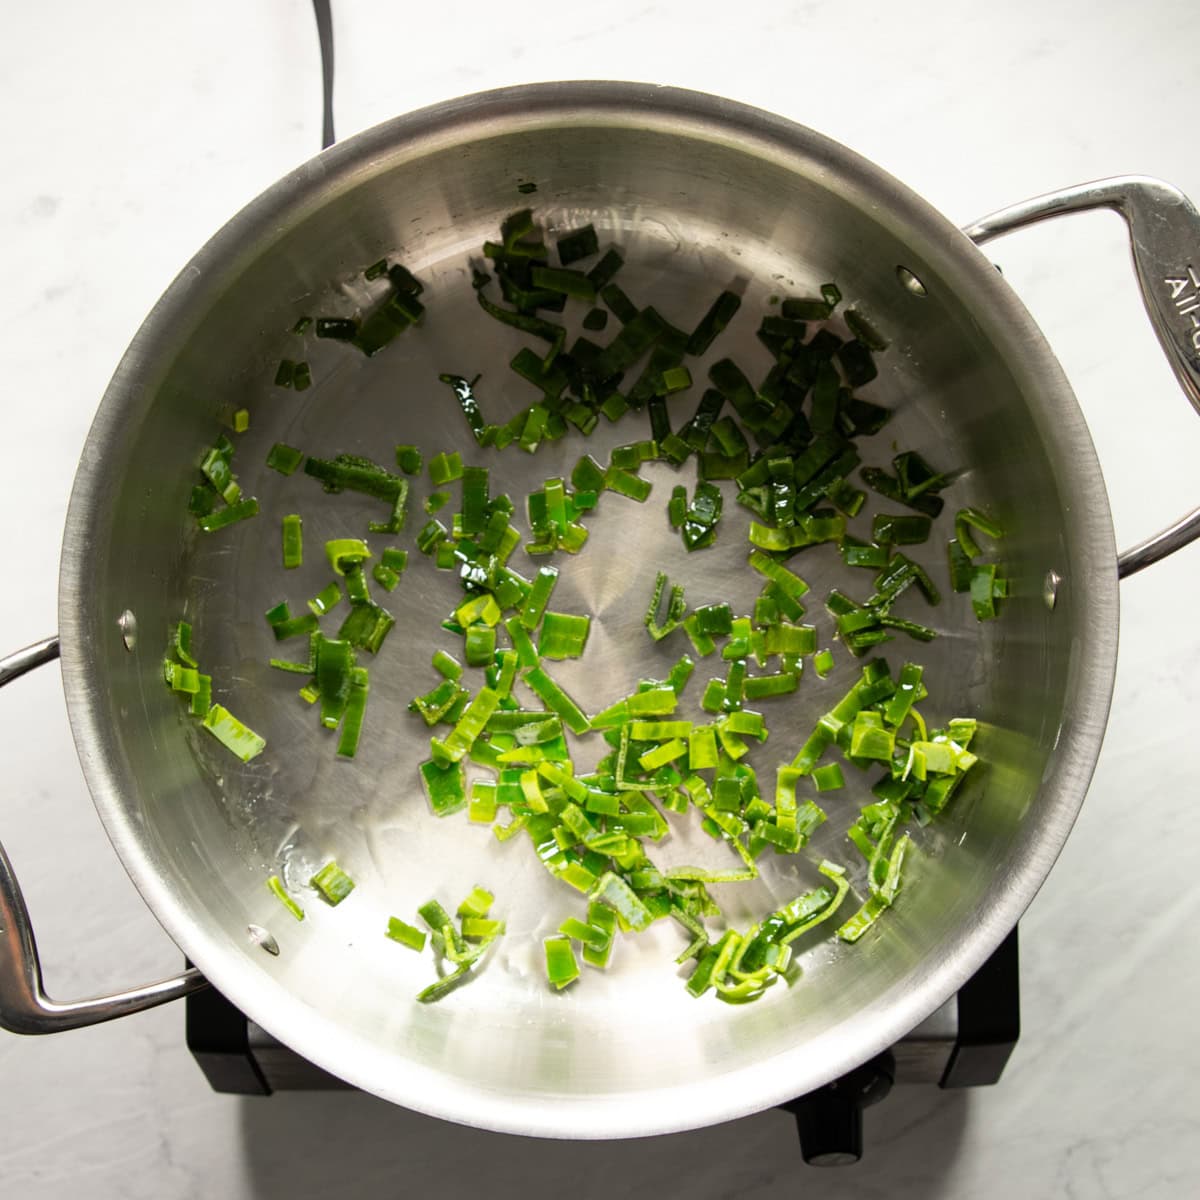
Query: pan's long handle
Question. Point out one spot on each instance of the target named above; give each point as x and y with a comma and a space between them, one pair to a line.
1164, 234
24, 1005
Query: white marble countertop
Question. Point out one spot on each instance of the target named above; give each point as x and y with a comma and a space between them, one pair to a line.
132, 131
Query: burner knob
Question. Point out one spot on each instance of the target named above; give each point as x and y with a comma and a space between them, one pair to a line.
829, 1120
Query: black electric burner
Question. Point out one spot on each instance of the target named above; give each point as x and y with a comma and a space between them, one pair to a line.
966, 1043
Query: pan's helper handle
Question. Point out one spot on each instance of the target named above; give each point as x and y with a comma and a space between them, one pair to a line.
1164, 234
24, 1005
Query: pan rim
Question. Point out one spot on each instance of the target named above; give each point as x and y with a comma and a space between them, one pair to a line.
754, 1086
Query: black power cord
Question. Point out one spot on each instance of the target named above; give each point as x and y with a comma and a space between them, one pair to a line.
325, 35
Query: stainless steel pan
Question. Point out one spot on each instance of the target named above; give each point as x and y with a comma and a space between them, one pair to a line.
700, 193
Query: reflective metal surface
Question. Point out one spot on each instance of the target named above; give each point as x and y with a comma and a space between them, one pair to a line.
920, 1058
1185, 531
700, 194
1164, 236
24, 1005
22, 661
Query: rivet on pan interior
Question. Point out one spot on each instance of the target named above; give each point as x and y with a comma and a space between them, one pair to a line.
260, 937
1050, 589
127, 624
910, 282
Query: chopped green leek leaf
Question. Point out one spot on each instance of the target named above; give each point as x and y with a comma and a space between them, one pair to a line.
579, 243
352, 720
677, 506
407, 935
202, 697
563, 635
603, 272
229, 515
385, 577
539, 597
444, 986
675, 609
471, 724
589, 936
702, 516
613, 891
625, 483
971, 518
334, 661
464, 393
409, 459
553, 696
983, 591
344, 553
674, 379
434, 915
481, 929
284, 459
231, 733
588, 475
899, 530
960, 566
564, 280
477, 903
445, 787
561, 967
829, 778
447, 665
332, 883
275, 884
183, 644
437, 705
328, 597
293, 545
713, 322
444, 468
479, 644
